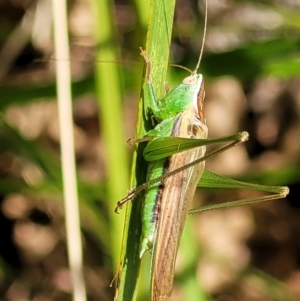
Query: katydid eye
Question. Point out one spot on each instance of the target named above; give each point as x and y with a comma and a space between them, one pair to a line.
190, 80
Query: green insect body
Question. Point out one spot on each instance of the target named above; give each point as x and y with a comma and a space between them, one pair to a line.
169, 109
176, 159
180, 114
176, 155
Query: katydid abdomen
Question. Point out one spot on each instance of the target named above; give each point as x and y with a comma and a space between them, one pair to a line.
152, 204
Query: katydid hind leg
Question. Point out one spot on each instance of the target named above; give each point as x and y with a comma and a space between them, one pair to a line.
242, 202
135, 191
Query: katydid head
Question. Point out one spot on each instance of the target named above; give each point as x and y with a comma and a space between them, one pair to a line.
196, 82
193, 79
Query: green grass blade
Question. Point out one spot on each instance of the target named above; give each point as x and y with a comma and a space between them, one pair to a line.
213, 180
109, 99
157, 47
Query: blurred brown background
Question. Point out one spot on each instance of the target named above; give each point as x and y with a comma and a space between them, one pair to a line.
251, 65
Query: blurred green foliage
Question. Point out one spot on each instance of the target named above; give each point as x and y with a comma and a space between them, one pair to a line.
264, 52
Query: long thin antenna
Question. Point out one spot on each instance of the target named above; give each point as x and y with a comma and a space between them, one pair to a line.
181, 67
203, 39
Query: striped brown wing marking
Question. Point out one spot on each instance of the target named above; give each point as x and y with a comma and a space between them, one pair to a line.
175, 204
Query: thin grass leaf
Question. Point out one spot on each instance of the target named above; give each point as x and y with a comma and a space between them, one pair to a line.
212, 180
109, 97
72, 216
157, 47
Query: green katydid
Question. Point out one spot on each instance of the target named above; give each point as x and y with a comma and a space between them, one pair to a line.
176, 155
